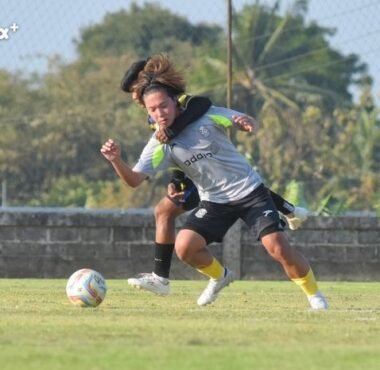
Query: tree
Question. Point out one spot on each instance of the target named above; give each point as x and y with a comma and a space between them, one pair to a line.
20, 101
357, 152
143, 31
286, 74
285, 62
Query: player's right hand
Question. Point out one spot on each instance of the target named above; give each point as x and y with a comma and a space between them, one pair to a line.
111, 150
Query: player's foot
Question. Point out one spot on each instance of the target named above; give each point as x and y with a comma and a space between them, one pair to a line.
296, 219
151, 282
318, 302
214, 287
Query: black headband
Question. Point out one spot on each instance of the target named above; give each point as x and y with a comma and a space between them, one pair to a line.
171, 91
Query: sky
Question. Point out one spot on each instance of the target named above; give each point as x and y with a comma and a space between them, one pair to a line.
48, 27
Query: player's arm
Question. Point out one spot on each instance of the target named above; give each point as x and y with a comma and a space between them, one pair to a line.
195, 108
111, 151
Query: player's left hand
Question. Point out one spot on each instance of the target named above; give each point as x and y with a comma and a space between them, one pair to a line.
245, 123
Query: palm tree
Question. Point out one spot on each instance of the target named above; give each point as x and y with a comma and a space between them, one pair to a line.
283, 63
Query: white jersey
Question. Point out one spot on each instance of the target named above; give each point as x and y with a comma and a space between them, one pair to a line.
207, 156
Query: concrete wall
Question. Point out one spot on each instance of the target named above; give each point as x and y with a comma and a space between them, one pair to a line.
49, 242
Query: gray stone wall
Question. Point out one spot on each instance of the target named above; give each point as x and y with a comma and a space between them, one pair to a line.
50, 242
338, 248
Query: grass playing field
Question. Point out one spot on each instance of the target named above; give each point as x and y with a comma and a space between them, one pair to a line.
252, 325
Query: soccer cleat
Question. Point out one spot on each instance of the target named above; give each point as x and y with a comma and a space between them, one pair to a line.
151, 282
214, 287
299, 216
318, 302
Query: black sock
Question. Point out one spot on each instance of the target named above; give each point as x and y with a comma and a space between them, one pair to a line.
162, 259
281, 204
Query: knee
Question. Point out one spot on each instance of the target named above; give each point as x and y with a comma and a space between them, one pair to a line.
278, 252
187, 245
190, 247
279, 249
164, 211
182, 252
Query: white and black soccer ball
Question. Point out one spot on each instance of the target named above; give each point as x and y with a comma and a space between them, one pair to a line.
86, 288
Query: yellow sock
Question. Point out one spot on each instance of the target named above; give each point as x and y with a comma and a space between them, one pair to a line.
307, 283
214, 271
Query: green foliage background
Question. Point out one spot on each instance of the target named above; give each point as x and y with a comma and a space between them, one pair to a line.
314, 143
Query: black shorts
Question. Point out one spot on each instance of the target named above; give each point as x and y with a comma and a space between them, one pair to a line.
257, 210
191, 197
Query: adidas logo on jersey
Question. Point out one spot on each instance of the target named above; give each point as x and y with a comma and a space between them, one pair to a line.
197, 157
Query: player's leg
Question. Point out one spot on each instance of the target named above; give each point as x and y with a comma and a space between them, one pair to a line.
294, 215
295, 266
165, 212
202, 227
269, 230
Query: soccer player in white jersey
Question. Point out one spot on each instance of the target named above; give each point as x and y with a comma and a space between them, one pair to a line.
228, 186
182, 194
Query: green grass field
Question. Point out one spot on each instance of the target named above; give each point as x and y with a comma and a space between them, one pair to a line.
253, 325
